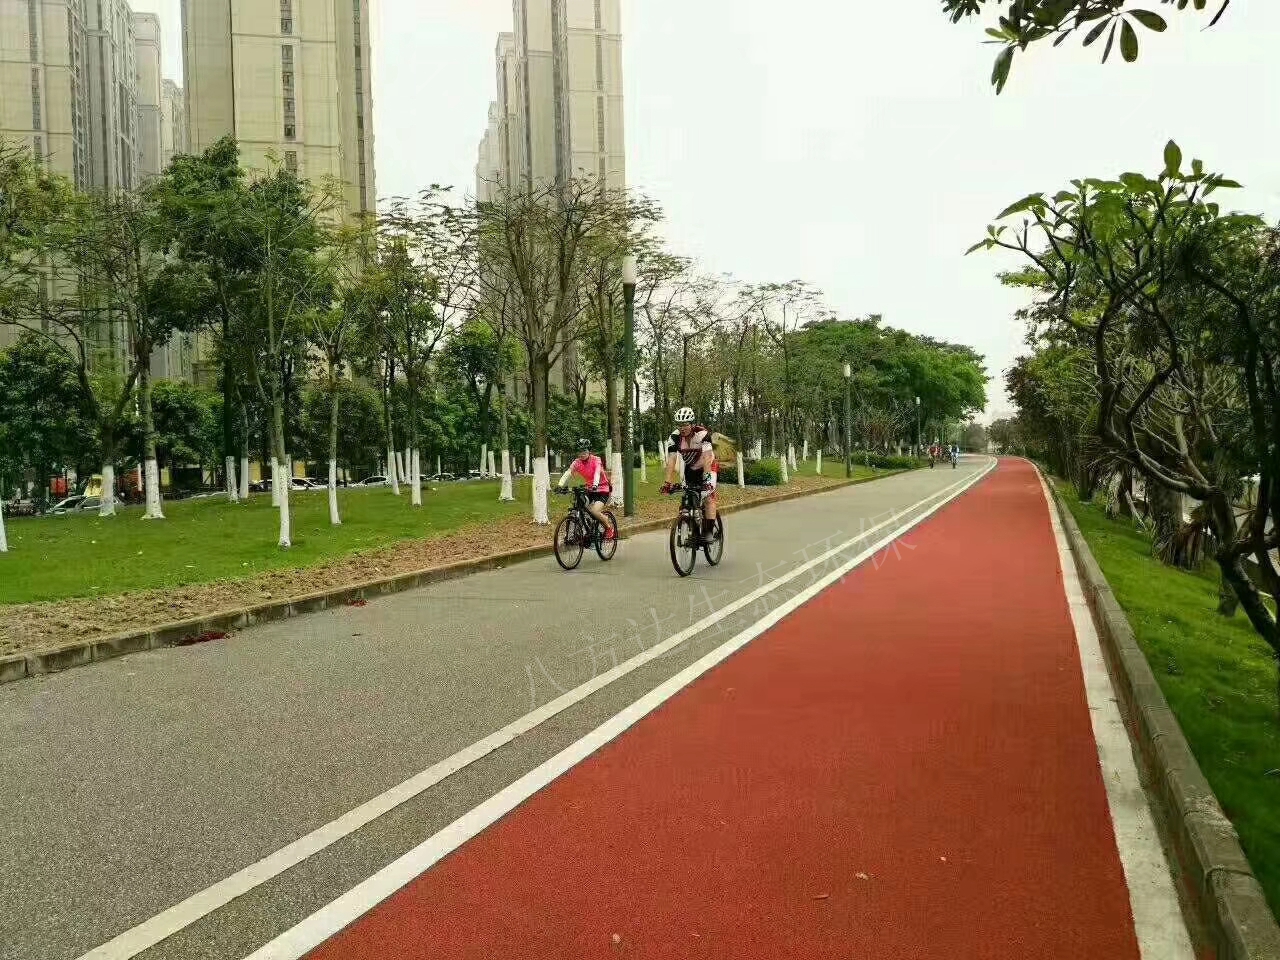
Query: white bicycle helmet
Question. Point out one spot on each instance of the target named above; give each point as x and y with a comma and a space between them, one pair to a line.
685, 415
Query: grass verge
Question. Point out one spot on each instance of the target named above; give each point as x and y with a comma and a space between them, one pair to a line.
1217, 674
203, 541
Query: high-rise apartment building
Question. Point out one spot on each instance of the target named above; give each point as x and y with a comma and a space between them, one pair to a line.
558, 113
146, 42
44, 83
173, 122
111, 61
290, 79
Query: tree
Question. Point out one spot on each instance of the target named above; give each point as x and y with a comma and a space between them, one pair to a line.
291, 256
359, 427
200, 199
537, 242
1025, 22
185, 423
430, 264
1177, 304
135, 275
42, 424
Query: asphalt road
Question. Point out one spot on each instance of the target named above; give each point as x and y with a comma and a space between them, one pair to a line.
129, 786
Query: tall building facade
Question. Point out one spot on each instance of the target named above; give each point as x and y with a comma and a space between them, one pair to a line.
290, 79
111, 61
147, 55
173, 122
558, 112
44, 83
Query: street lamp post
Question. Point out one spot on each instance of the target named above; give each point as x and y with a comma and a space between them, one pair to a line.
919, 438
628, 426
848, 425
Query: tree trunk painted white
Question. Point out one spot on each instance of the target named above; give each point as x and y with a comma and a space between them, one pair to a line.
819, 470
644, 465
484, 461
541, 489
334, 518
438, 470
244, 478
805, 455
507, 494
617, 479
151, 488
276, 472
528, 464
742, 474
608, 451
415, 479
4, 541
493, 465
283, 481
107, 506
393, 474
786, 478
791, 455
233, 489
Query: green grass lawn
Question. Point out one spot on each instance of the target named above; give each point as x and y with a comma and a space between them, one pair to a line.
80, 555
1217, 674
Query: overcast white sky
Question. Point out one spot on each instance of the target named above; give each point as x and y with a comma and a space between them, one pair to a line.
861, 151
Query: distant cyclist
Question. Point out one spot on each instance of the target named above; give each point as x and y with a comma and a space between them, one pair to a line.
591, 469
690, 452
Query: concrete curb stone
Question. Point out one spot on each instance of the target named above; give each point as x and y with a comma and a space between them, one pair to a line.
79, 653
1216, 874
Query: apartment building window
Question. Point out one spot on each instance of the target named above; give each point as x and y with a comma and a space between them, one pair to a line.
600, 122
599, 62
599, 15
290, 118
286, 16
291, 161
37, 148
35, 99
604, 171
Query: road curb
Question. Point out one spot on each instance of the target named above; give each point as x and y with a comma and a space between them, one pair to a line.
81, 653
1215, 876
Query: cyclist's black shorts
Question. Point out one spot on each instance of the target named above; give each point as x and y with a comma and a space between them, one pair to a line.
598, 497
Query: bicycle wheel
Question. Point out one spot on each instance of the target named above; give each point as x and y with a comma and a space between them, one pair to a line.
714, 551
684, 545
607, 548
568, 542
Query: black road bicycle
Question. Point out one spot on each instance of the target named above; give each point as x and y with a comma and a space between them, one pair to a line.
579, 531
686, 534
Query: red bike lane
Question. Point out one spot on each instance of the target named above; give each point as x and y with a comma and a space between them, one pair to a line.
903, 768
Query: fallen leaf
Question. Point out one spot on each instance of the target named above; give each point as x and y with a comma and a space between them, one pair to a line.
862, 876
822, 896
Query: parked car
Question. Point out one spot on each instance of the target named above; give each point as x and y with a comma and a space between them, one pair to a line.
373, 482
443, 478
68, 505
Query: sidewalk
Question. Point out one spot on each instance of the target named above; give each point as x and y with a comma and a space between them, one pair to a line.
904, 768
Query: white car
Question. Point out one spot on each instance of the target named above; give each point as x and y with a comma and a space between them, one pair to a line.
373, 482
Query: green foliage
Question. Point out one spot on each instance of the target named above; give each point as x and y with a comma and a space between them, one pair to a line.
186, 423
760, 473
360, 445
1026, 22
43, 426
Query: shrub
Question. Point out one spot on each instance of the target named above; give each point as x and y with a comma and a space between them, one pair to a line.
887, 461
762, 473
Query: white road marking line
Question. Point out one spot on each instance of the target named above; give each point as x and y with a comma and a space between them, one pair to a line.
329, 920
1157, 916
163, 925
